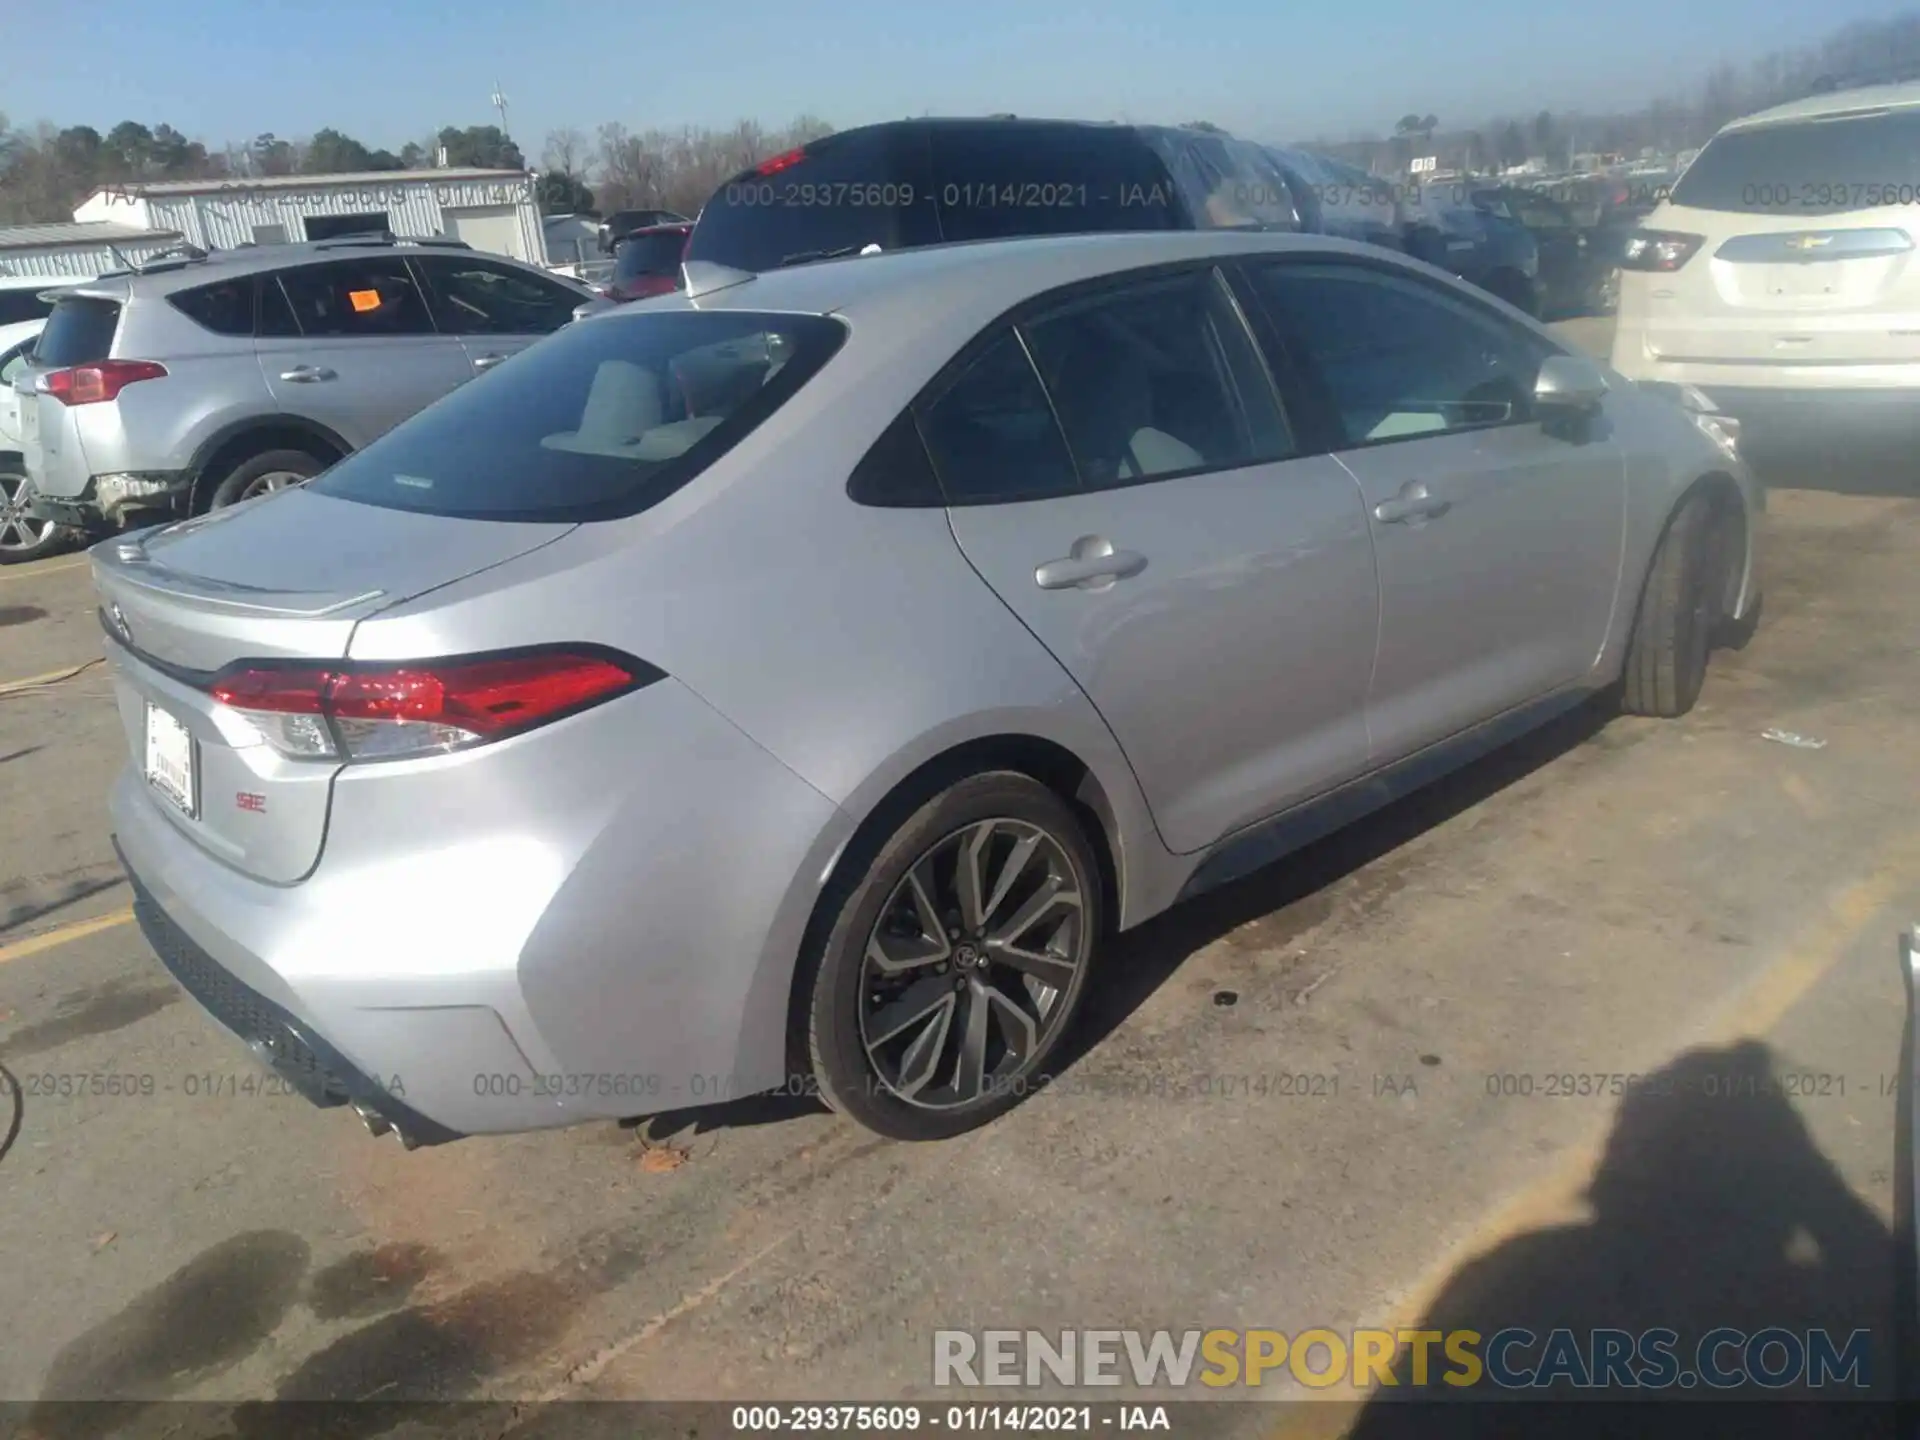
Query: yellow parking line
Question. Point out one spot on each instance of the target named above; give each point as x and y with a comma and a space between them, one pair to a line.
44, 570
78, 930
1558, 1194
7, 687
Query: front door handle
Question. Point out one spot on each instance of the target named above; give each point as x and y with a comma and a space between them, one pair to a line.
1093, 564
308, 374
487, 362
1413, 503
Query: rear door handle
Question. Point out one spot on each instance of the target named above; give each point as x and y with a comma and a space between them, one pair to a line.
1093, 564
308, 374
1413, 503
487, 362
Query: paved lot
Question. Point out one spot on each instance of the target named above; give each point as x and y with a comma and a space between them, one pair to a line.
1610, 898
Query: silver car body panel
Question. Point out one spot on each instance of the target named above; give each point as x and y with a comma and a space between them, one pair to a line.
626, 891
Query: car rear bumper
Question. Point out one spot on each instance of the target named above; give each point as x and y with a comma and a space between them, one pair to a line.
624, 948
113, 500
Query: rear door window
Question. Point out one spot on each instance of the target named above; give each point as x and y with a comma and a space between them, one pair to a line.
1157, 378
369, 298
478, 297
225, 308
1001, 178
836, 196
1808, 168
992, 434
79, 331
597, 421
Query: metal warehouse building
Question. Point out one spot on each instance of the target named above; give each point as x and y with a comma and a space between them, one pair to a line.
493, 210
78, 251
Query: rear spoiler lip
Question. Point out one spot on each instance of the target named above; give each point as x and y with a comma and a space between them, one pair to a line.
126, 561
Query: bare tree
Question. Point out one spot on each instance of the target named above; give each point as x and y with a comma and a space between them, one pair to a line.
566, 150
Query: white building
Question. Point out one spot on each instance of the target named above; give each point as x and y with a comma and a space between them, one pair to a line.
77, 250
493, 210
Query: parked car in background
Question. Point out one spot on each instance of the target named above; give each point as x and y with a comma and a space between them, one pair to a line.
905, 183
647, 262
499, 690
625, 222
198, 380
22, 537
1780, 276
1573, 269
22, 297
1445, 228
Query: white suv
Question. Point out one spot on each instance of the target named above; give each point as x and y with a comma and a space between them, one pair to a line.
1782, 273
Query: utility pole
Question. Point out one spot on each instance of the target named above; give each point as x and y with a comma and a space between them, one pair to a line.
500, 104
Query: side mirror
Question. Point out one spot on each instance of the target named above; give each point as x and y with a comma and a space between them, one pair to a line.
1568, 384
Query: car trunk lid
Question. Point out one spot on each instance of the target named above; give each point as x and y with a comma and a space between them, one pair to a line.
283, 578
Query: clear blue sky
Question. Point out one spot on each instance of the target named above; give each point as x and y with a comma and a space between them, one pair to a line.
387, 71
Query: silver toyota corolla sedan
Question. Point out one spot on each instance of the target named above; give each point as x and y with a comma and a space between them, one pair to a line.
794, 682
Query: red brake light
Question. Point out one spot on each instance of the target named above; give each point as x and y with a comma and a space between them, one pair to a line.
392, 711
102, 380
778, 163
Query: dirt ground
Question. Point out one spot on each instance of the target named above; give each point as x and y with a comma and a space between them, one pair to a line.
1611, 897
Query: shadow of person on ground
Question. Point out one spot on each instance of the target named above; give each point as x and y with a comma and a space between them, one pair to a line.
1711, 1208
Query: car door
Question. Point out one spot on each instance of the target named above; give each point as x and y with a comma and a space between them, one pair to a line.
350, 343
1209, 587
1498, 537
495, 310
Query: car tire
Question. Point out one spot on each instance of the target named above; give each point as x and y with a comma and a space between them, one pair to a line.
21, 539
1674, 628
262, 474
974, 1032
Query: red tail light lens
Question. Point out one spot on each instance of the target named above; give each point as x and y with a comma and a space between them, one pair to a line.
386, 712
102, 380
1663, 250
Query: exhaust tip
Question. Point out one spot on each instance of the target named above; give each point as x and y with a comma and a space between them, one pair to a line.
376, 1123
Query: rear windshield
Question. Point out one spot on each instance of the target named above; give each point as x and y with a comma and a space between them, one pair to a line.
78, 332
839, 195
1809, 168
639, 255
596, 421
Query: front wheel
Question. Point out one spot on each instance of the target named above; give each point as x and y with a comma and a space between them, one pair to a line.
1679, 609
22, 538
956, 963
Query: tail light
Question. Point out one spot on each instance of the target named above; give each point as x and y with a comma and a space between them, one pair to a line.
1657, 250
385, 712
102, 380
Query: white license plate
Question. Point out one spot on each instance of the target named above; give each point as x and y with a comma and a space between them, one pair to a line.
170, 760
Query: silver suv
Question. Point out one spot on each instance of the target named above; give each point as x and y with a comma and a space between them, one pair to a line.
197, 380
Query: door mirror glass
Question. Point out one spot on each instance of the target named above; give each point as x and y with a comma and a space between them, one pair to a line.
1568, 382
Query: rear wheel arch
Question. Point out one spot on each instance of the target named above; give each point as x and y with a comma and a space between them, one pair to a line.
237, 444
1045, 761
1731, 526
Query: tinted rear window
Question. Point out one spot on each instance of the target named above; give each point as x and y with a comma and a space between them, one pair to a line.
1811, 168
599, 420
848, 191
639, 255
1002, 178
225, 308
78, 332
18, 306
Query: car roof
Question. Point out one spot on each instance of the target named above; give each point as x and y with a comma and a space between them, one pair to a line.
1833, 105
169, 274
967, 284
